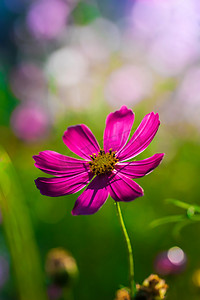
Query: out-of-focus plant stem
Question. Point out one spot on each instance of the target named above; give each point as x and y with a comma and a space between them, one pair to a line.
19, 234
130, 252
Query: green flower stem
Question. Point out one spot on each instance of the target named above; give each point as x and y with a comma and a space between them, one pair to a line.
130, 252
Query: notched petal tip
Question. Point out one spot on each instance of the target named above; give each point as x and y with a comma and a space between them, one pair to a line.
34, 157
41, 155
38, 156
118, 127
125, 109
142, 193
141, 138
39, 185
156, 116
70, 128
74, 213
161, 155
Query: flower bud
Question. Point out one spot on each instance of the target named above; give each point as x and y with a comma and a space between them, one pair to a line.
153, 288
61, 267
122, 294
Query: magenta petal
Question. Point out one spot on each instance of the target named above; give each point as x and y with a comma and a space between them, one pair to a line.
141, 138
136, 169
57, 164
94, 196
80, 140
60, 186
122, 188
118, 127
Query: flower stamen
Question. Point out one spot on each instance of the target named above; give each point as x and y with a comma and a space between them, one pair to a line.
103, 163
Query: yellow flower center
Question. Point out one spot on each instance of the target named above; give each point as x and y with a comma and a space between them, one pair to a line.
103, 163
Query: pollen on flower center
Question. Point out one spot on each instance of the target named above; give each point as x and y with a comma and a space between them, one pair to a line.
103, 163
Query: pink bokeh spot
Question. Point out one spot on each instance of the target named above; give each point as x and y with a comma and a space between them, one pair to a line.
168, 33
54, 292
161, 58
28, 82
150, 17
29, 123
128, 85
170, 262
4, 271
47, 18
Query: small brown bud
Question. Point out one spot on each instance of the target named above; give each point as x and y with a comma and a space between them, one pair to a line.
153, 288
122, 294
61, 267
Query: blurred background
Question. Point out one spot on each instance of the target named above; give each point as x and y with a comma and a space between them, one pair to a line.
65, 62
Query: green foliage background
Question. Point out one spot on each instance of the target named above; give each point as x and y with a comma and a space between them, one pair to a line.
96, 241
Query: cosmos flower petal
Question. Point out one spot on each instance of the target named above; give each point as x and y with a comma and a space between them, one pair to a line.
118, 127
136, 169
60, 186
80, 140
94, 196
141, 138
122, 188
57, 164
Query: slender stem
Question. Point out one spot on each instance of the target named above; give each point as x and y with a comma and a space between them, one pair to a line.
130, 252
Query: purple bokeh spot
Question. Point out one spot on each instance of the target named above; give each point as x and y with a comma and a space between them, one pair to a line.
28, 82
170, 262
54, 292
29, 122
4, 271
47, 18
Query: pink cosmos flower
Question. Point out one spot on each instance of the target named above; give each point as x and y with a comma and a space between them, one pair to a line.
104, 169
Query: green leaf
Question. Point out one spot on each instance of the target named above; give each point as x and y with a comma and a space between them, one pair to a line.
183, 205
19, 233
166, 220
